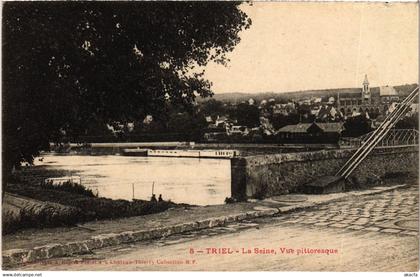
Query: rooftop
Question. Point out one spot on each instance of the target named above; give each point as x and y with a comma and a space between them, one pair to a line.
330, 127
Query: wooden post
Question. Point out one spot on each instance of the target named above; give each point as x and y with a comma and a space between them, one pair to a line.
153, 187
132, 186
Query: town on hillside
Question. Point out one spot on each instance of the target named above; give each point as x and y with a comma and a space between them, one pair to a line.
315, 117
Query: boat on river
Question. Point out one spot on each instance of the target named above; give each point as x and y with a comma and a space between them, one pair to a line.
182, 153
134, 152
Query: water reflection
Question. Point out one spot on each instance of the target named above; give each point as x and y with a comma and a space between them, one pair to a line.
183, 180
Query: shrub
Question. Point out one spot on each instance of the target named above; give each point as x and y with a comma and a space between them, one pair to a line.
69, 187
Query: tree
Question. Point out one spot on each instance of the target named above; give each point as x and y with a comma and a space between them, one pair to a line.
68, 63
357, 126
213, 107
191, 126
247, 115
409, 122
280, 120
304, 113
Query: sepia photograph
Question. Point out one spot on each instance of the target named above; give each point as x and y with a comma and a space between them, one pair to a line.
227, 136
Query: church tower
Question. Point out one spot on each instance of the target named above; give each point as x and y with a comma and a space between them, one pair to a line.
366, 90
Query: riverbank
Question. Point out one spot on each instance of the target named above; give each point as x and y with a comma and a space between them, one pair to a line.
29, 203
245, 149
37, 244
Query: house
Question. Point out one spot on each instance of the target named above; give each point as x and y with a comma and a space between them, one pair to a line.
294, 129
238, 130
214, 136
251, 101
209, 119
266, 126
328, 113
315, 109
388, 95
284, 109
316, 100
311, 132
331, 127
355, 113
392, 106
280, 109
130, 126
414, 108
221, 121
148, 119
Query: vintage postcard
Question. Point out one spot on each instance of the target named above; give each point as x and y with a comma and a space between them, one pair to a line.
210, 136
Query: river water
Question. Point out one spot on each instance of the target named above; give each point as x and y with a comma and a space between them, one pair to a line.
182, 180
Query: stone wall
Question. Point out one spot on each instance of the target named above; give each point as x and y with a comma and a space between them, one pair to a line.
267, 175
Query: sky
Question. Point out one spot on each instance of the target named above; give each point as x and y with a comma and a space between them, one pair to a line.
300, 46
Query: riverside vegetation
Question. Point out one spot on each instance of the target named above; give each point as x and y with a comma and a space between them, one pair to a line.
67, 204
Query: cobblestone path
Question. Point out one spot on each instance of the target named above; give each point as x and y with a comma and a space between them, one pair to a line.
393, 212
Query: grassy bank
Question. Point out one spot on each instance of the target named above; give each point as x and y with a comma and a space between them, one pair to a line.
21, 213
29, 183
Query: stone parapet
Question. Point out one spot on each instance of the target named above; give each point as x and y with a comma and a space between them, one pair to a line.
267, 175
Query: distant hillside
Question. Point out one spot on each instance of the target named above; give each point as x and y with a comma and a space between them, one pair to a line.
237, 97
